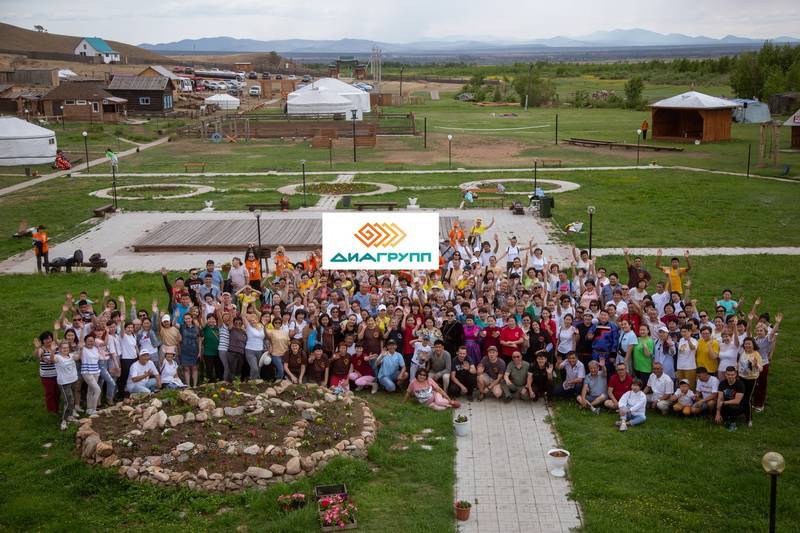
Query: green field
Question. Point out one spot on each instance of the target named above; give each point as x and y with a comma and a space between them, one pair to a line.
52, 490
691, 475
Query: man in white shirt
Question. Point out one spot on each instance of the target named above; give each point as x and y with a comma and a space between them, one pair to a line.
660, 298
706, 391
659, 389
143, 376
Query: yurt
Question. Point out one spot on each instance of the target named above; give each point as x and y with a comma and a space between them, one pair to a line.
317, 101
23, 143
223, 101
358, 98
750, 111
692, 116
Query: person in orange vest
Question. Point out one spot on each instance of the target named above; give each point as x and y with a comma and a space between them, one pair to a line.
40, 248
456, 234
645, 125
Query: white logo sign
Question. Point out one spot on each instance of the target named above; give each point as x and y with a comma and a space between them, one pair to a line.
380, 241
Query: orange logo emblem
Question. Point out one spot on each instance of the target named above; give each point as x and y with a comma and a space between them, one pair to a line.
380, 234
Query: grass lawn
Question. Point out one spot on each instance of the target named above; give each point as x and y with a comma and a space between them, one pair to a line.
74, 496
673, 474
645, 207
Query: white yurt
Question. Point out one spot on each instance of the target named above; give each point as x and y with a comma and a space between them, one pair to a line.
359, 98
317, 101
751, 111
223, 101
23, 143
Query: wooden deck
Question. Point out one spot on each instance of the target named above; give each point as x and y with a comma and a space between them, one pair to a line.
298, 234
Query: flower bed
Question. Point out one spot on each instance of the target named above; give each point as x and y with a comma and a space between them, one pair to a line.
227, 437
335, 189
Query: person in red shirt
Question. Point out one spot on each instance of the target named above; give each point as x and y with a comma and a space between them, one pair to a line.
619, 384
511, 339
361, 372
490, 336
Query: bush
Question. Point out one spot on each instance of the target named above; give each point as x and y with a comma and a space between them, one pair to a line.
633, 92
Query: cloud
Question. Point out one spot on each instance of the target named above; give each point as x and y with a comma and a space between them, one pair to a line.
409, 20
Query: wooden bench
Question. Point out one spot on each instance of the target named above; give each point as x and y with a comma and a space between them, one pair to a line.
363, 205
187, 166
491, 199
102, 210
485, 191
265, 207
545, 161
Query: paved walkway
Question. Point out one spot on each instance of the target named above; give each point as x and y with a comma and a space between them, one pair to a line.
667, 253
501, 469
78, 168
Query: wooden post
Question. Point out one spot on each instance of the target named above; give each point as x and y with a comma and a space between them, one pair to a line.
762, 144
425, 132
776, 142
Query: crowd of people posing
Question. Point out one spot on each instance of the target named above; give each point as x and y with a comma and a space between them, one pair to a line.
506, 325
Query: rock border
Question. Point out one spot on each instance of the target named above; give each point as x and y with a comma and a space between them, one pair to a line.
288, 465
197, 190
563, 186
382, 188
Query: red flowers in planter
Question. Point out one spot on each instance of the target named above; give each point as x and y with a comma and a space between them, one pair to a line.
337, 511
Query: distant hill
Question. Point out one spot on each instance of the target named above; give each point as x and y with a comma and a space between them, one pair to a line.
635, 37
19, 39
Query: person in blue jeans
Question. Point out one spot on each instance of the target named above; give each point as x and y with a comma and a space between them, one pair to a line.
391, 367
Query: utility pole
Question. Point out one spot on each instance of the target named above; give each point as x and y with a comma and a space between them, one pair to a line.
528, 92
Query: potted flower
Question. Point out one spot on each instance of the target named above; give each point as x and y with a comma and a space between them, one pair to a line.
462, 508
558, 458
290, 502
337, 512
461, 423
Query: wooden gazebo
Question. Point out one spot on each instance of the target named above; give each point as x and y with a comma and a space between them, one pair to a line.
692, 116
794, 123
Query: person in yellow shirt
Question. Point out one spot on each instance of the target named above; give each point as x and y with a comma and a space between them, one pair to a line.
707, 351
675, 272
477, 231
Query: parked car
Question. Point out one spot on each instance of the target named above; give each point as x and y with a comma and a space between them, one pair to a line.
291, 77
255, 90
306, 78
278, 77
266, 76
252, 75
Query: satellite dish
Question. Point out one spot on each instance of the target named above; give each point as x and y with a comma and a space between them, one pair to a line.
216, 138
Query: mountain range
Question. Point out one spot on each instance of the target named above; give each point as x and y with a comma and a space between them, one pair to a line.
636, 37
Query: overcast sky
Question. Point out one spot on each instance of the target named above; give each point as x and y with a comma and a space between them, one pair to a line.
400, 20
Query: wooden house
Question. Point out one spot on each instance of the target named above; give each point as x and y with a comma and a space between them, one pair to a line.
145, 94
86, 101
692, 116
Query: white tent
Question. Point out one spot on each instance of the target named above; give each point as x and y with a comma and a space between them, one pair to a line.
793, 121
23, 143
751, 111
358, 98
223, 101
317, 101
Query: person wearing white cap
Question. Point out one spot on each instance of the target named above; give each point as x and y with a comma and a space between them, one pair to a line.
664, 352
143, 376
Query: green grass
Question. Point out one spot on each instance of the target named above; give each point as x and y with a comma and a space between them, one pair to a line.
645, 207
78, 497
673, 474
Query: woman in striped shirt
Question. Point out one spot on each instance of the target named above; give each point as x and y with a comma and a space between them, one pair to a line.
45, 350
90, 370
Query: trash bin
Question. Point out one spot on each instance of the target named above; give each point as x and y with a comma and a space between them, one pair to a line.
346, 201
546, 207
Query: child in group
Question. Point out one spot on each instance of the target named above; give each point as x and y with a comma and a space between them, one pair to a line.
361, 371
632, 406
683, 398
422, 353
428, 392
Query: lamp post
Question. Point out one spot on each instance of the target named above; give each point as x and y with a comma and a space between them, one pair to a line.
401, 84
354, 114
257, 213
63, 125
591, 209
114, 163
638, 144
86, 149
303, 163
773, 464
449, 150
27, 115
535, 175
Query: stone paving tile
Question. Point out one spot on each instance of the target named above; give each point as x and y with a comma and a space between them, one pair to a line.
514, 491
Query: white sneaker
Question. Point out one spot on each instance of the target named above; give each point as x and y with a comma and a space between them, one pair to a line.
75, 413
623, 426
750, 424
374, 387
78, 409
90, 412
596, 410
63, 425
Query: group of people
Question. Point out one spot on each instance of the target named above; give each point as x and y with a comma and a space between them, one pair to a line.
504, 324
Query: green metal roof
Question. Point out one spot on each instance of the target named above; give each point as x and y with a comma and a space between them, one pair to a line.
99, 44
